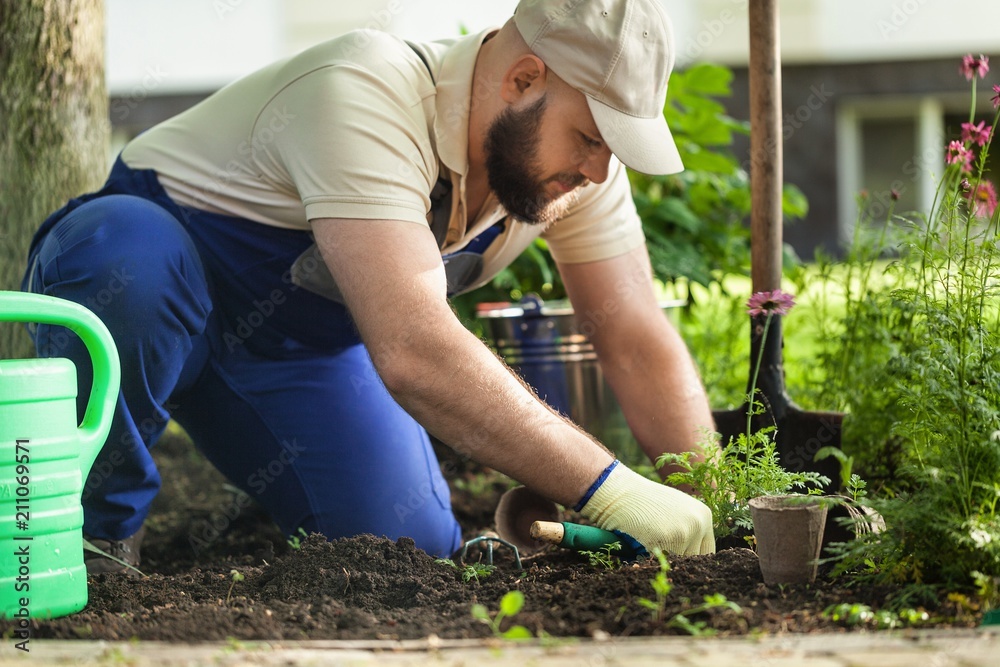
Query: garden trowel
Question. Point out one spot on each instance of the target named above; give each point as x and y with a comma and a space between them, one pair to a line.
799, 434
578, 537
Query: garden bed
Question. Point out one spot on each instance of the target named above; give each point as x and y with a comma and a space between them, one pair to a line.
373, 588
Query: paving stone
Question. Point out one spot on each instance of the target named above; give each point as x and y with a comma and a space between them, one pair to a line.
907, 649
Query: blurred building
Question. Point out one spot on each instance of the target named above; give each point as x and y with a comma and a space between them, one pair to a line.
871, 89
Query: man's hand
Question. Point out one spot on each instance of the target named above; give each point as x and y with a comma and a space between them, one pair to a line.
655, 515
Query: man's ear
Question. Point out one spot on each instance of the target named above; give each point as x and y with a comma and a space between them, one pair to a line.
525, 77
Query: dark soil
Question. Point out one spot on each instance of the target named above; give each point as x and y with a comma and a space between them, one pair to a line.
373, 588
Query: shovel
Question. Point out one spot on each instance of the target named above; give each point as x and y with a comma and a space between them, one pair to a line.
799, 434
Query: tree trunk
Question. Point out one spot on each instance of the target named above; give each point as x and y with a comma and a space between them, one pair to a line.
54, 120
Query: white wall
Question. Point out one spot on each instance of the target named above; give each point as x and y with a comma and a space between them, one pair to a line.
157, 47
840, 30
198, 45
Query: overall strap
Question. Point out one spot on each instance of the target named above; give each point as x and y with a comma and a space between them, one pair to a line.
440, 194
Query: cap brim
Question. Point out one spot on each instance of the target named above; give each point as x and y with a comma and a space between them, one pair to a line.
642, 144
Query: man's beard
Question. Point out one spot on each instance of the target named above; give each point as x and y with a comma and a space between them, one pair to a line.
513, 171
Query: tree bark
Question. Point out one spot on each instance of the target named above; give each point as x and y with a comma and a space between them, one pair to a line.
54, 120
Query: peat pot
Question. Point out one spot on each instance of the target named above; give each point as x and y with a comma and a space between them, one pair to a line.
789, 534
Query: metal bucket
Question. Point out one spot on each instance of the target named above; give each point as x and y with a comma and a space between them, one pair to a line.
543, 343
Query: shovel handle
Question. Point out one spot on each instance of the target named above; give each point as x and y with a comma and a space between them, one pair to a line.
765, 147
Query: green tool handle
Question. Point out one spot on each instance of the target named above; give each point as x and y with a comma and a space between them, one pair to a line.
578, 537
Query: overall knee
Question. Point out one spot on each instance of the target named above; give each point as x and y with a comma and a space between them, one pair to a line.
121, 255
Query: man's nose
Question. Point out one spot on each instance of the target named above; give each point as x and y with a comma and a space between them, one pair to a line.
595, 166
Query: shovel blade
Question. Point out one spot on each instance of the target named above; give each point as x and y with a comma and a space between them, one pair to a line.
799, 434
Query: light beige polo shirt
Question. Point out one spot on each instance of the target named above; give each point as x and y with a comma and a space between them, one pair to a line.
355, 127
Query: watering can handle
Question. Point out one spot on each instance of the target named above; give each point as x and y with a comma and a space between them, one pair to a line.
28, 307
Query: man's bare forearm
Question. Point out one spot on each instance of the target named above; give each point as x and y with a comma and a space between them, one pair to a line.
438, 371
460, 391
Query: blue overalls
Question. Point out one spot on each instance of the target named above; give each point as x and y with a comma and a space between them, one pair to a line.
270, 380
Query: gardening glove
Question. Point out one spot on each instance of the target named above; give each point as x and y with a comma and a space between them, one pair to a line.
648, 515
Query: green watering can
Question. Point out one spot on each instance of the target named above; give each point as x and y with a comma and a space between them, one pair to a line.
45, 458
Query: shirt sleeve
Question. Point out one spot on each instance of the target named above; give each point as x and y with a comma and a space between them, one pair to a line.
601, 225
356, 144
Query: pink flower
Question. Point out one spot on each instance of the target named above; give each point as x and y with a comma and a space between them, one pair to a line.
959, 154
775, 302
978, 133
972, 66
996, 96
983, 198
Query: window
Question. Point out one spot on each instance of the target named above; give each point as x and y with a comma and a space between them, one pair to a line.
899, 145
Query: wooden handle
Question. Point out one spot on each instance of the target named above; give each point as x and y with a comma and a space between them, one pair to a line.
765, 146
551, 532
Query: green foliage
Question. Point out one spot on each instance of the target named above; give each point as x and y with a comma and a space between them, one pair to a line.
510, 605
855, 614
477, 571
915, 361
694, 221
726, 478
604, 557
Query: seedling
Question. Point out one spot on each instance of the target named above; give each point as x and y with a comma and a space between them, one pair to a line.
661, 587
471, 571
510, 604
853, 614
236, 576
295, 541
699, 628
604, 557
852, 483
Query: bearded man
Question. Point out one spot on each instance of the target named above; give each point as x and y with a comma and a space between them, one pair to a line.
286, 250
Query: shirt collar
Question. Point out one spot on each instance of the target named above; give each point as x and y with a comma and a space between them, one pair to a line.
454, 100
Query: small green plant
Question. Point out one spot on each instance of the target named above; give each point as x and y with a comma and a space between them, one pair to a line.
469, 572
855, 487
295, 541
233, 645
855, 614
683, 622
510, 605
477, 571
236, 578
661, 588
728, 477
604, 557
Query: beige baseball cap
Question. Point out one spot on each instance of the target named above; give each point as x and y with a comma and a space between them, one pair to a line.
619, 53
